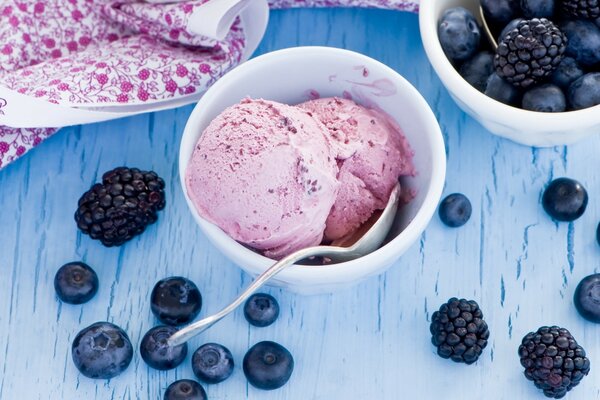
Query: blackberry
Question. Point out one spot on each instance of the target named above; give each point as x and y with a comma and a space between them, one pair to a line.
553, 360
459, 331
530, 52
587, 9
122, 206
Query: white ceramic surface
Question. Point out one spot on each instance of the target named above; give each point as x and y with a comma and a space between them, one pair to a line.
294, 75
525, 127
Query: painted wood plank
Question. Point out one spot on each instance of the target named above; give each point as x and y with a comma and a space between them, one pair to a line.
371, 341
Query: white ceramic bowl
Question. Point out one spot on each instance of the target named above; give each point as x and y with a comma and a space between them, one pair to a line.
525, 127
291, 76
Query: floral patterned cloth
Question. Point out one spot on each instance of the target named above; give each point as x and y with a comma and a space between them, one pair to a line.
115, 53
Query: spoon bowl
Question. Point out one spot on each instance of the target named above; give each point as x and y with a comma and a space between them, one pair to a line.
367, 239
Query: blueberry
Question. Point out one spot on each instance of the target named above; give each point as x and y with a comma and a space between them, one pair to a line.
502, 91
75, 283
585, 91
565, 199
212, 363
268, 365
545, 98
583, 41
175, 300
102, 351
185, 389
587, 298
455, 210
509, 27
537, 8
157, 353
566, 73
500, 12
459, 34
477, 70
261, 309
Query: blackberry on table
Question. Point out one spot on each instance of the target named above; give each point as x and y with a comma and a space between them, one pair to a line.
459, 331
530, 52
553, 360
122, 206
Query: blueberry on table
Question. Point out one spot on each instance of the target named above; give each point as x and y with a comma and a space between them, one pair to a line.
212, 363
75, 283
458, 331
565, 199
477, 70
157, 353
102, 351
268, 365
175, 300
455, 210
261, 309
185, 389
585, 91
459, 34
587, 298
544, 98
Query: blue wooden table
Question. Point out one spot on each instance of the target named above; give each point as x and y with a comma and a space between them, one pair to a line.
369, 342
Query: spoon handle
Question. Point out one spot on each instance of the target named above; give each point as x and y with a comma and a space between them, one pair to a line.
198, 327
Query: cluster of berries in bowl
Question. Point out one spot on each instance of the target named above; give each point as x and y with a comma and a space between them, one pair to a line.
538, 55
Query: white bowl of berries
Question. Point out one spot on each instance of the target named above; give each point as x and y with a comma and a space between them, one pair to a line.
540, 87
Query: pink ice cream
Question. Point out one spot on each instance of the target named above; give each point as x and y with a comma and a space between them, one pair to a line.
265, 173
372, 153
280, 178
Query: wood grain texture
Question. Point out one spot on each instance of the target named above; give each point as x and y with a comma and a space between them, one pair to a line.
369, 342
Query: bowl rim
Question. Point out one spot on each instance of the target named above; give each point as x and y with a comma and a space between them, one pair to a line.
490, 108
433, 191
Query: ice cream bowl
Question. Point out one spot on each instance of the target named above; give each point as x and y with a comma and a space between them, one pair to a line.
298, 74
525, 127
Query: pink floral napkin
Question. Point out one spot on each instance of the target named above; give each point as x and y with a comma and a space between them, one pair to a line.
92, 60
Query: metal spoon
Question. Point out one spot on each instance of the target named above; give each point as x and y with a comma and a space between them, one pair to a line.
365, 241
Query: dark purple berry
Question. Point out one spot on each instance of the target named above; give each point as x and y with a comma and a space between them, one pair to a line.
268, 365
583, 42
156, 352
459, 34
567, 72
587, 298
544, 98
102, 351
455, 210
175, 300
75, 283
185, 389
565, 199
502, 91
212, 363
585, 91
261, 309
537, 8
500, 12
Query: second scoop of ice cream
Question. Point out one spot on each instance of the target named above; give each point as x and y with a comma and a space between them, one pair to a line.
371, 152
